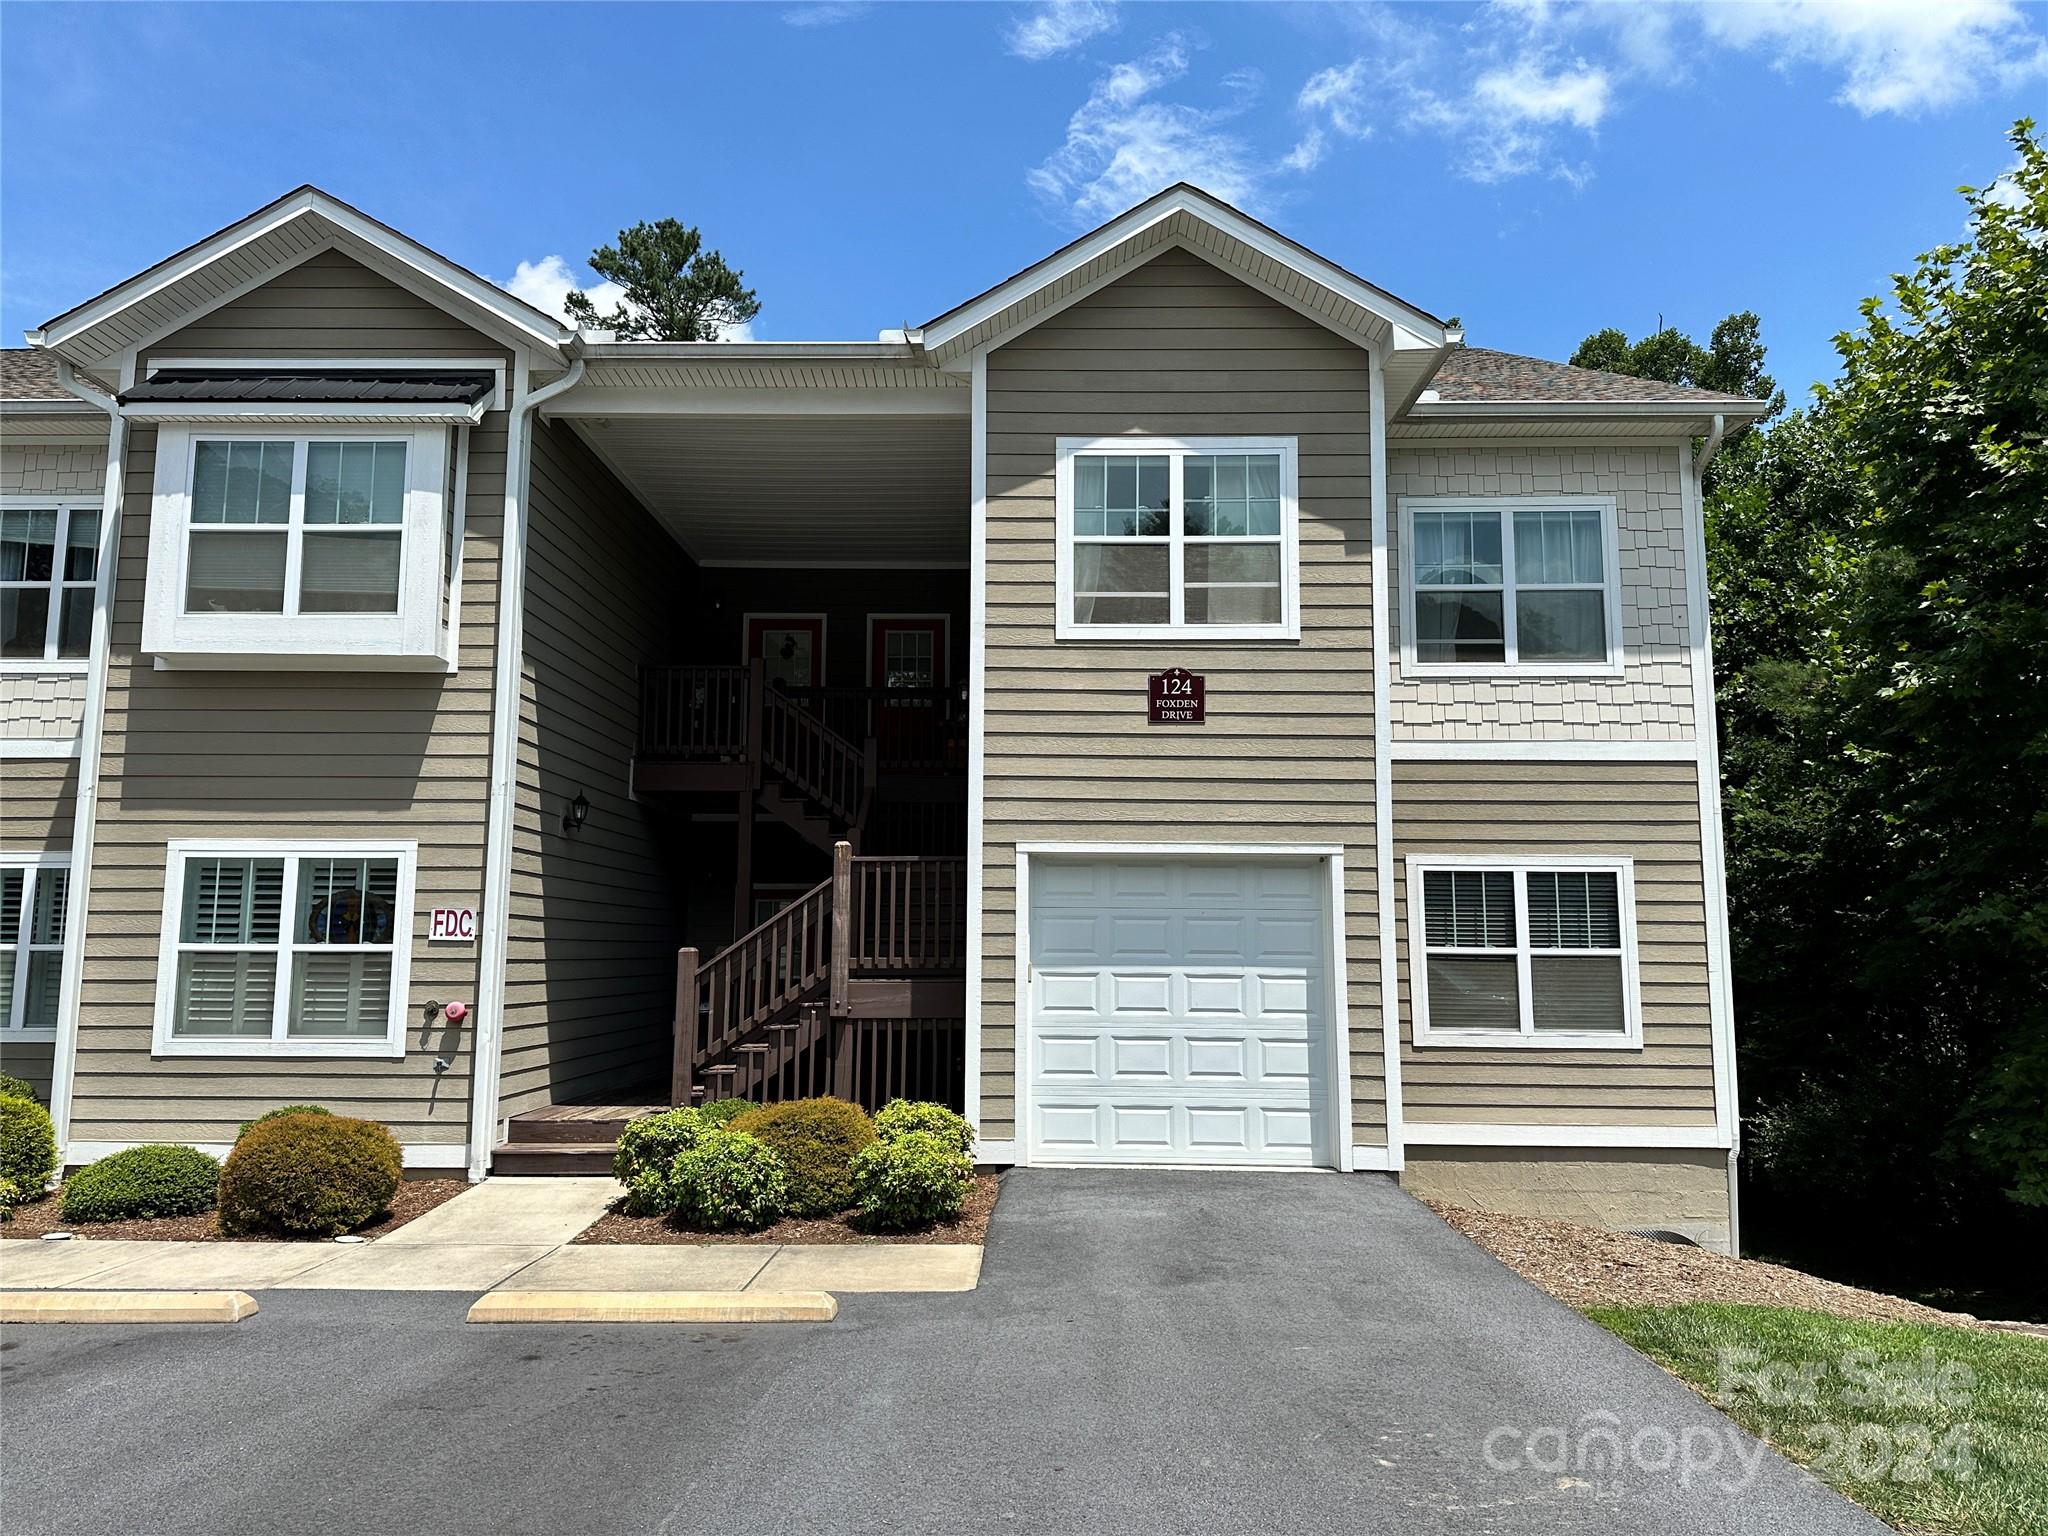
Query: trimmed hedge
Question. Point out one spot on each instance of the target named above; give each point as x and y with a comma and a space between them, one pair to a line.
143, 1182
17, 1088
28, 1146
913, 1180
729, 1181
899, 1117
279, 1113
817, 1140
720, 1113
647, 1149
310, 1175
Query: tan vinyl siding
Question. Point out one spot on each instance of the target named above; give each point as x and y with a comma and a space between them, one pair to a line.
590, 987
38, 800
327, 305
272, 754
1647, 811
30, 1061
1177, 348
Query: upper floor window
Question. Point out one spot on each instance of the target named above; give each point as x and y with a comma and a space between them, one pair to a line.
32, 893
1189, 538
49, 562
298, 544
272, 949
1511, 584
1505, 953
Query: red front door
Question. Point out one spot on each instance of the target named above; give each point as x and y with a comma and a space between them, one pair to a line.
908, 667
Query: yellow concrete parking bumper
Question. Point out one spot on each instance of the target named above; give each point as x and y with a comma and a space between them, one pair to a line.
126, 1306
654, 1307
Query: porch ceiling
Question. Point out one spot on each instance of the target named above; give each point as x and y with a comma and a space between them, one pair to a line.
873, 489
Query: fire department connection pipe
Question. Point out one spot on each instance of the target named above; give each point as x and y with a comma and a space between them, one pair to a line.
488, 1042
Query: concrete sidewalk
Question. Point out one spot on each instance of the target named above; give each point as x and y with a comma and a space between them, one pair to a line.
502, 1230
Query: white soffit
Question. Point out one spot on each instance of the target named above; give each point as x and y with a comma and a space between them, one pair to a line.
831, 489
1187, 217
272, 240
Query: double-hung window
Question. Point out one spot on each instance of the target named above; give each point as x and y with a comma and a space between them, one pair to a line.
49, 562
32, 893
1523, 954
1511, 584
330, 543
275, 949
1191, 538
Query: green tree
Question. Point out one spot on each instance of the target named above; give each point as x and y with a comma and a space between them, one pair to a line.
675, 289
1731, 362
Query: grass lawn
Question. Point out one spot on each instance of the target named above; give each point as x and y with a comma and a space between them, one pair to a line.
1931, 1428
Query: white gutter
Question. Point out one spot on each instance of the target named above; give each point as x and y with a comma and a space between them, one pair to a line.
91, 732
487, 1045
1708, 449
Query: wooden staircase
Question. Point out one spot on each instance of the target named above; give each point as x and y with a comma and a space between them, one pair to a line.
564, 1138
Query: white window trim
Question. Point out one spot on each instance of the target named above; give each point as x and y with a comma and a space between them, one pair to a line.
1505, 507
415, 632
1064, 625
1628, 1038
390, 1047
63, 506
11, 1030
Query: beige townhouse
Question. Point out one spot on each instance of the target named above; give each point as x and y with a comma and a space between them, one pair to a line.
1183, 706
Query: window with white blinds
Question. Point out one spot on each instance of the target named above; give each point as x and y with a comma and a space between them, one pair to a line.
31, 947
1523, 954
299, 951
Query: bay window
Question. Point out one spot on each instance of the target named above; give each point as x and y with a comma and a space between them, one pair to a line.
1188, 538
315, 543
1506, 954
1510, 584
274, 949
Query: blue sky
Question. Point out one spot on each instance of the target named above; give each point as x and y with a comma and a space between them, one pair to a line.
1539, 170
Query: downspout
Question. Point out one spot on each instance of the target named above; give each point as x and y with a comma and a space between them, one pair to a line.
508, 674
1710, 746
91, 732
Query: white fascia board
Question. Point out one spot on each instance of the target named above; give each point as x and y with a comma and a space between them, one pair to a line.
1568, 410
722, 400
753, 351
10, 409
1701, 1137
1410, 326
371, 238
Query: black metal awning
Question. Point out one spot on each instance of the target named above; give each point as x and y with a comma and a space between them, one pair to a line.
326, 387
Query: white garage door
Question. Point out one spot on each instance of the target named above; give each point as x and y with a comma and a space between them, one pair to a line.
1179, 1012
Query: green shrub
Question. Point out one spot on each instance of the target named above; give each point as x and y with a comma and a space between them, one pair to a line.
722, 1112
899, 1117
816, 1140
729, 1181
143, 1182
17, 1088
911, 1180
312, 1175
279, 1113
648, 1147
28, 1145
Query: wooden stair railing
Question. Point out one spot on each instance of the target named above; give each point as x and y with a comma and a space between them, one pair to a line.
815, 760
875, 917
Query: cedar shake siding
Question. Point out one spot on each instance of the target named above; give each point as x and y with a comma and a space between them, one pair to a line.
1526, 810
286, 755
590, 986
1178, 348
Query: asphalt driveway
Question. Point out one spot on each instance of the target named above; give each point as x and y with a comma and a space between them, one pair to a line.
1148, 1352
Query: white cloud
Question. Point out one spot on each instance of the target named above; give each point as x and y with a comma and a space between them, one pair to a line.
546, 285
828, 13
1123, 144
1900, 56
1059, 26
1307, 154
1338, 94
1524, 93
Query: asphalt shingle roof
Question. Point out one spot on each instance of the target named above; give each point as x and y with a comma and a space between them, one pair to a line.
352, 385
28, 373
1473, 374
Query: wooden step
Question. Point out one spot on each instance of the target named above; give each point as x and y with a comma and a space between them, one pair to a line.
525, 1131
553, 1157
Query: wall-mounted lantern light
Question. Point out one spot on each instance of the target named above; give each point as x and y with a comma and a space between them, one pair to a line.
577, 813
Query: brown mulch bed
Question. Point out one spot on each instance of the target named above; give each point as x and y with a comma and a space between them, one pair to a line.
614, 1226
1592, 1267
415, 1198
